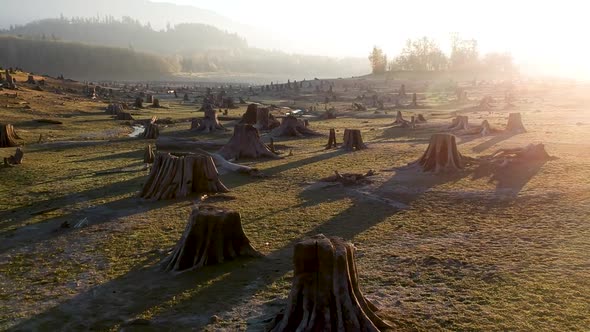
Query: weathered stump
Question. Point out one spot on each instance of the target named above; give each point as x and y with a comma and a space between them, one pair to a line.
156, 103
291, 126
414, 100
210, 122
325, 293
31, 79
8, 136
151, 129
245, 143
441, 155
461, 122
251, 115
353, 140
527, 154
148, 155
16, 159
114, 108
123, 116
211, 236
420, 118
515, 123
399, 119
331, 139
138, 102
265, 120
175, 177
149, 98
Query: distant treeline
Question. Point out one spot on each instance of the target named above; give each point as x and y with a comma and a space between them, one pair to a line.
81, 61
424, 55
187, 48
129, 33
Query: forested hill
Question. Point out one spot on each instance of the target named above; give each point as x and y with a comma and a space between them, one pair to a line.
183, 39
82, 61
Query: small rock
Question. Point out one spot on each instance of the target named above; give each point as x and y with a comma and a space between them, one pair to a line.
214, 319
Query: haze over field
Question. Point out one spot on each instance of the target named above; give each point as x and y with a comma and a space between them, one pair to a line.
541, 36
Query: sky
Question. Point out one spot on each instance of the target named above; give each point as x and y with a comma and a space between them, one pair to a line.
543, 35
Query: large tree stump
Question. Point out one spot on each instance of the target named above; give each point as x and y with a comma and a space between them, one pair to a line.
114, 108
123, 116
8, 136
210, 122
353, 140
399, 119
331, 139
175, 177
251, 114
151, 129
529, 153
461, 122
16, 159
138, 102
265, 120
325, 293
291, 126
211, 236
515, 123
148, 155
441, 155
245, 143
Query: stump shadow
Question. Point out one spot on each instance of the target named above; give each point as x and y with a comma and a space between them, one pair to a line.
510, 179
492, 141
51, 227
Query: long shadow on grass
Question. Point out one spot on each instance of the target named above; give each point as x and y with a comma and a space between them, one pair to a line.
190, 299
492, 141
509, 179
51, 226
257, 275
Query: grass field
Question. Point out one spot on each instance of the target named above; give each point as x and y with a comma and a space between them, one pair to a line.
477, 250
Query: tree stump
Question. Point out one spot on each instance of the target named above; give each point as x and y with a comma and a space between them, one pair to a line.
331, 139
515, 123
211, 236
353, 140
114, 108
399, 119
151, 130
148, 155
16, 159
156, 103
176, 177
420, 118
265, 120
325, 293
291, 126
185, 97
31, 79
529, 153
461, 122
251, 115
210, 122
149, 98
123, 116
138, 102
8, 136
245, 143
441, 155
414, 100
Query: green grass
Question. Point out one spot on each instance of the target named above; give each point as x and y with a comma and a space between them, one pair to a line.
467, 253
